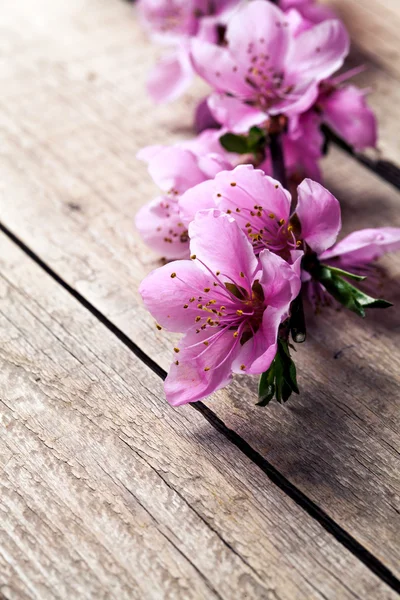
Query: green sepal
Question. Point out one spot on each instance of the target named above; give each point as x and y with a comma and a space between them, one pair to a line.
234, 143
256, 138
344, 273
280, 380
254, 142
346, 293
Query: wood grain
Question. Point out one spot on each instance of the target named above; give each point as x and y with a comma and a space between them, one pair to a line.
106, 492
70, 189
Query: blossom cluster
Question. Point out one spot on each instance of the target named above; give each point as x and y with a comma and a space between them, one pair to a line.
243, 222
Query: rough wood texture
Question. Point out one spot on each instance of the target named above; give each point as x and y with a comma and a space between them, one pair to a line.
70, 189
106, 492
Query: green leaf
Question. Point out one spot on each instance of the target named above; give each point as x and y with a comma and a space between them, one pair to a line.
293, 377
280, 379
234, 143
338, 271
346, 293
266, 388
256, 136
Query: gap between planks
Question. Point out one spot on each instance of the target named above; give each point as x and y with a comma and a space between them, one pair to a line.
97, 480
308, 505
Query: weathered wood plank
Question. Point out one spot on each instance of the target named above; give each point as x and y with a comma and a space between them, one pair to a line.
68, 167
107, 492
374, 27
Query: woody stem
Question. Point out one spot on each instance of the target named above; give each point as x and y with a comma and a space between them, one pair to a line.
278, 159
297, 319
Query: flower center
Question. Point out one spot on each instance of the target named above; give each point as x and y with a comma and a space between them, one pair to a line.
227, 306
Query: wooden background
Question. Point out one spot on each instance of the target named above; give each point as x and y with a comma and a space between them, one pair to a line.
106, 491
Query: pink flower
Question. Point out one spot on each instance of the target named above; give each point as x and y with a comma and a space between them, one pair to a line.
346, 112
228, 304
265, 68
176, 169
178, 18
204, 118
343, 109
262, 208
171, 76
355, 255
356, 251
174, 22
303, 14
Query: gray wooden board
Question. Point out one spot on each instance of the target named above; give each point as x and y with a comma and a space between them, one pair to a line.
106, 492
70, 187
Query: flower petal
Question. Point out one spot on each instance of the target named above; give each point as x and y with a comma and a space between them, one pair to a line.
347, 113
364, 246
319, 215
258, 30
318, 52
161, 227
170, 78
280, 280
175, 169
188, 381
166, 296
245, 187
204, 119
218, 241
235, 114
199, 197
217, 66
257, 354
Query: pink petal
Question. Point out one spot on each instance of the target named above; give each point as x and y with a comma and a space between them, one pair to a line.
258, 30
158, 221
204, 118
149, 152
218, 241
216, 66
199, 197
251, 187
170, 78
212, 164
280, 280
319, 215
320, 51
188, 381
257, 354
166, 296
175, 169
234, 114
364, 246
299, 100
347, 113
